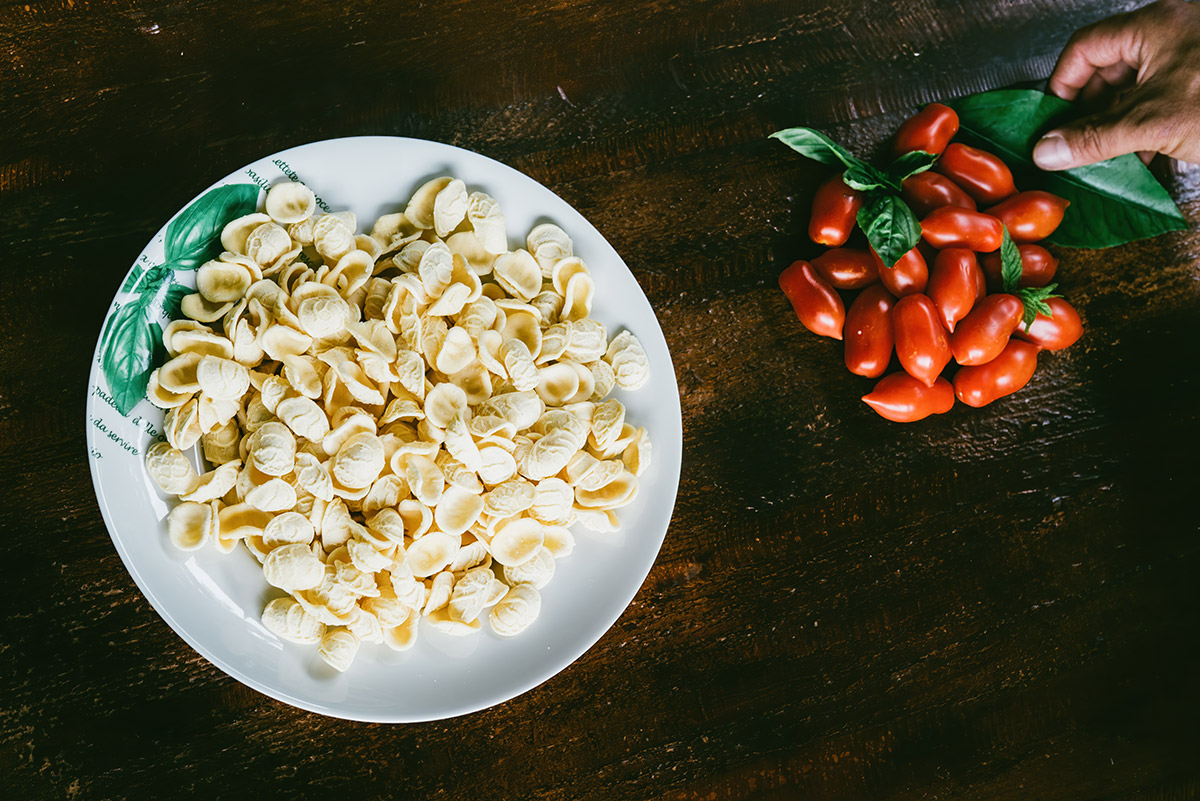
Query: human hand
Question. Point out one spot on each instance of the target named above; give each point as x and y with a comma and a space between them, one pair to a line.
1149, 60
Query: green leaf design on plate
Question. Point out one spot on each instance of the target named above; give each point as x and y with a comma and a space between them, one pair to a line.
135, 275
104, 333
131, 344
1113, 202
172, 300
143, 278
154, 279
128, 354
160, 350
194, 236
130, 341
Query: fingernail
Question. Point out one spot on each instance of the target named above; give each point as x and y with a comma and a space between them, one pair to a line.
1052, 153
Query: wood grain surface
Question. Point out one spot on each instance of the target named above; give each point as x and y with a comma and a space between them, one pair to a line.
994, 604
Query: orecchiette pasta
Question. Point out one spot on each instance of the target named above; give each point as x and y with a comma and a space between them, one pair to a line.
401, 425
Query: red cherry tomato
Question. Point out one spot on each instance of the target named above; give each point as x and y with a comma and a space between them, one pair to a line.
868, 331
954, 284
980, 284
903, 399
847, 268
1003, 375
931, 129
928, 190
815, 302
1054, 333
1030, 216
952, 227
834, 213
983, 333
921, 342
1038, 266
907, 276
928, 251
984, 176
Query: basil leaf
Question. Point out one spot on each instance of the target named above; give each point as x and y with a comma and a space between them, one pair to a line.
1010, 263
194, 236
909, 164
817, 146
1113, 202
128, 355
890, 226
1034, 300
865, 178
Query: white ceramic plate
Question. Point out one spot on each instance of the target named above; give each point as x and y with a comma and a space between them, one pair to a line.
213, 601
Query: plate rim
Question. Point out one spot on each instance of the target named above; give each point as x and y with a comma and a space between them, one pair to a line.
518, 687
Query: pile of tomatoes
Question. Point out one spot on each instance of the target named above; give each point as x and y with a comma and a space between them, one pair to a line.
933, 305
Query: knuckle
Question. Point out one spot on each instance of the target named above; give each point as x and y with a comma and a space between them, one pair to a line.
1172, 133
1078, 45
1171, 9
1146, 115
1091, 139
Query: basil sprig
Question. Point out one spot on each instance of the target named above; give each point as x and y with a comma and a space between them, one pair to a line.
1010, 263
890, 225
1033, 297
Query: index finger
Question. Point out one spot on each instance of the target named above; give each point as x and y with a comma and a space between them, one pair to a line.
1102, 44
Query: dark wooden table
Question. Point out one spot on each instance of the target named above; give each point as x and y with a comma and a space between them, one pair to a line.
995, 604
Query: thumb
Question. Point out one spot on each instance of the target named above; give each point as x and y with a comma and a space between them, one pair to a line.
1092, 139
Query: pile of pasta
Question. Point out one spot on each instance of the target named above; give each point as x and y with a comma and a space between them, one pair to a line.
401, 425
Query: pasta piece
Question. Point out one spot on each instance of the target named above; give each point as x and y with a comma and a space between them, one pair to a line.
338, 648
170, 469
486, 219
548, 243
516, 611
286, 618
290, 202
449, 207
517, 542
188, 525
